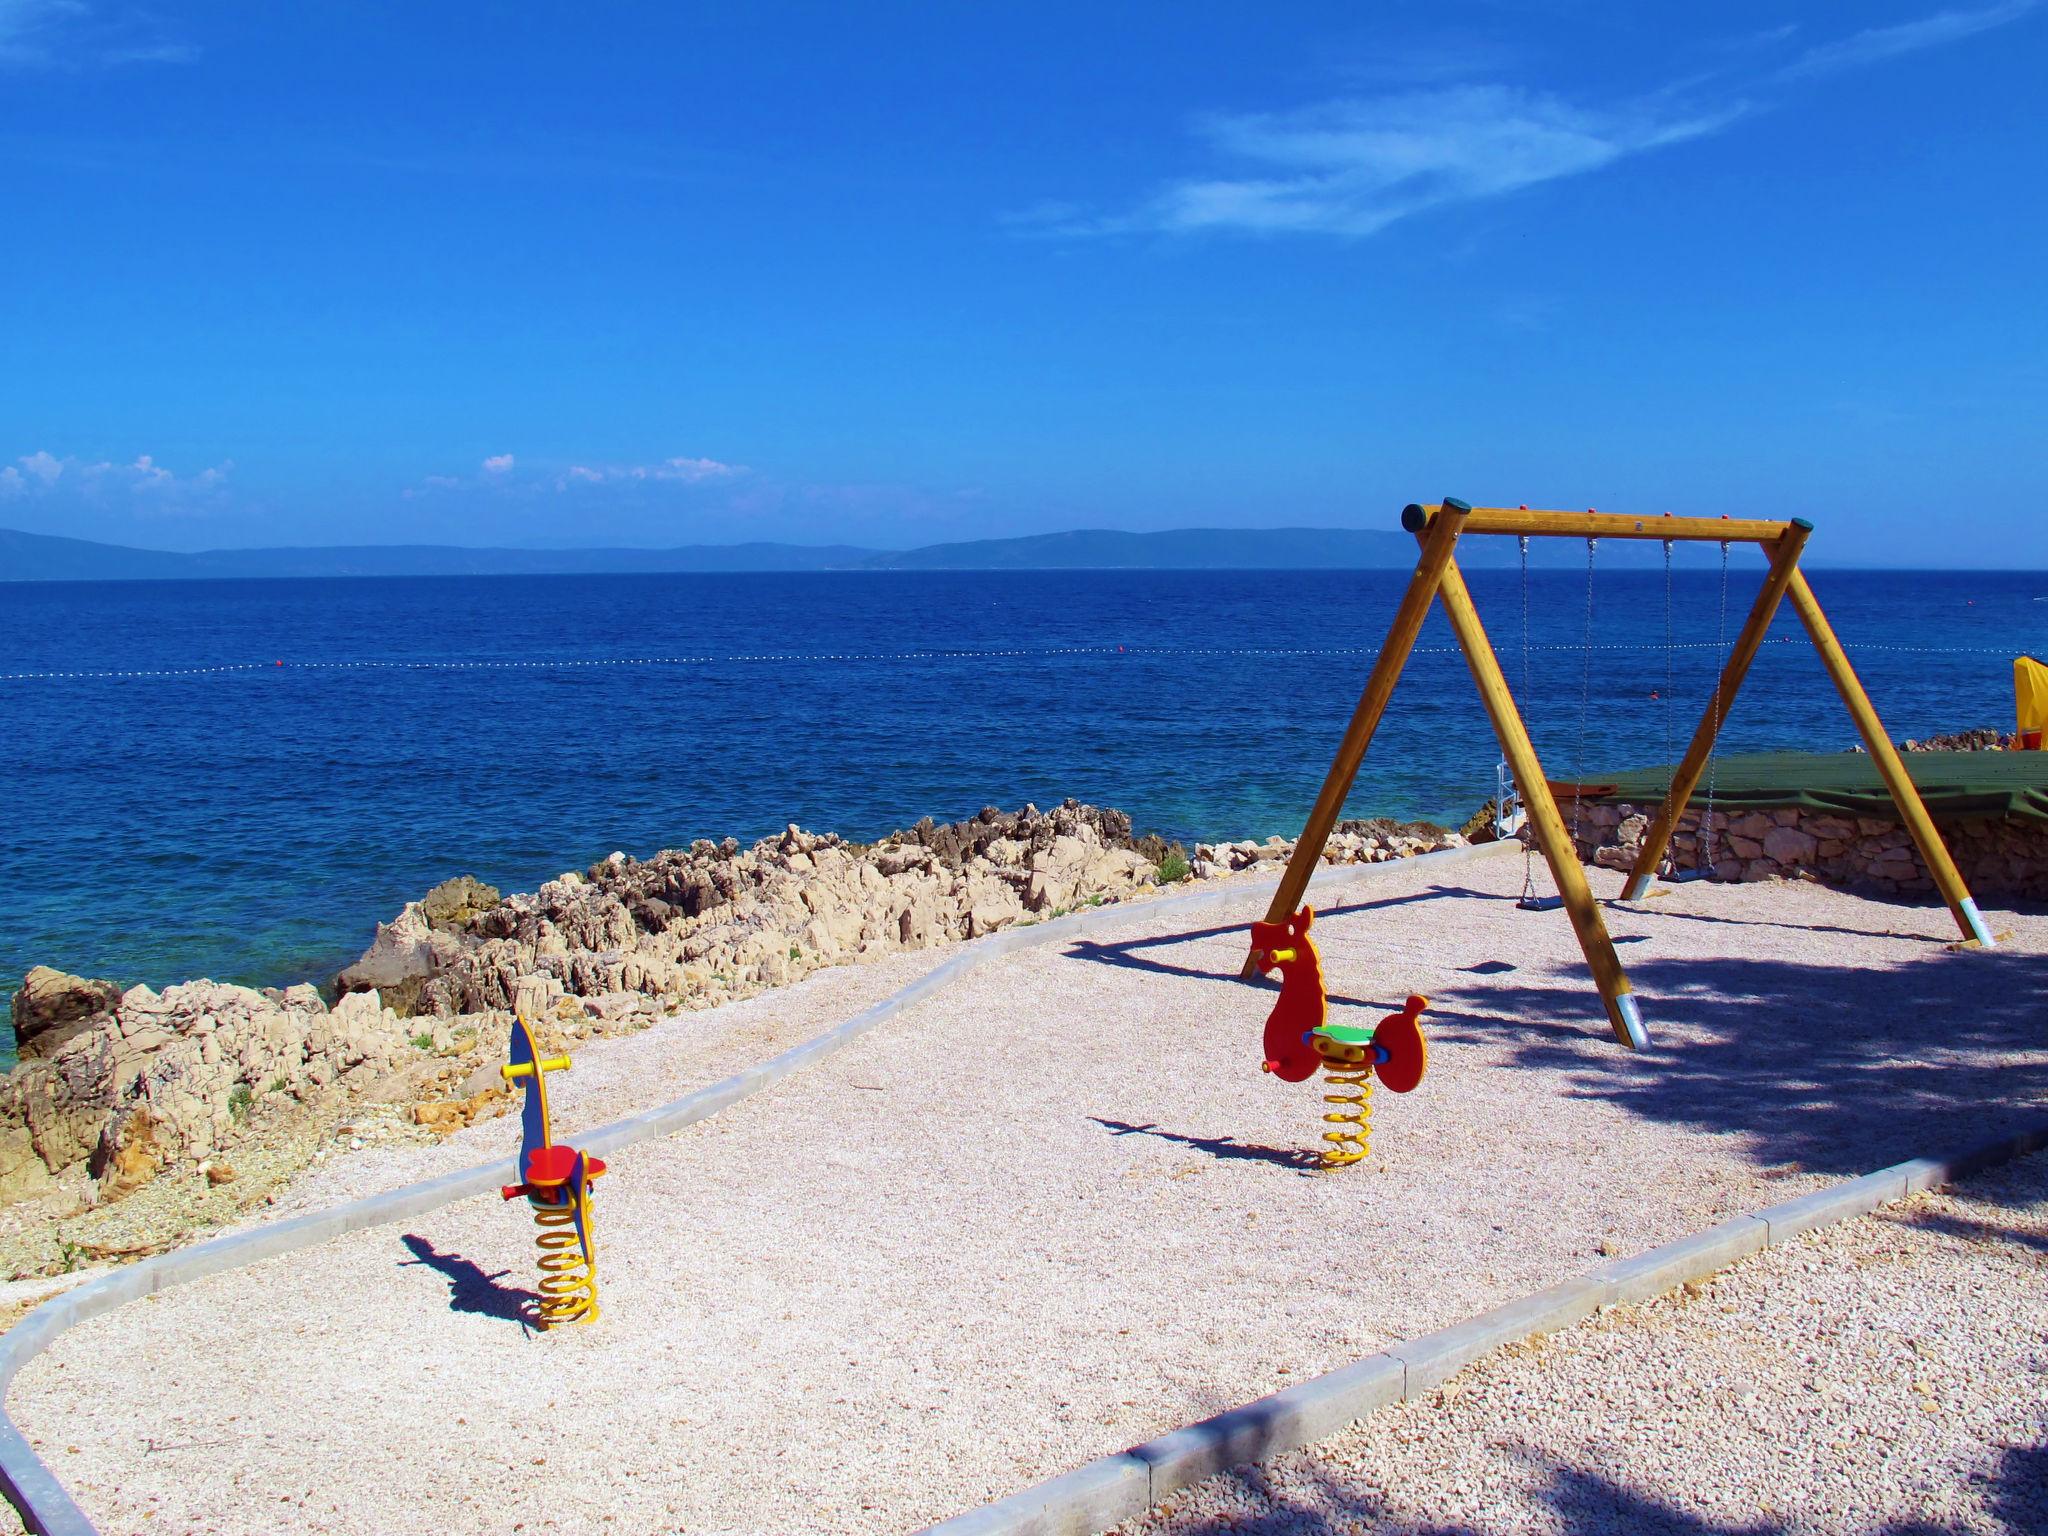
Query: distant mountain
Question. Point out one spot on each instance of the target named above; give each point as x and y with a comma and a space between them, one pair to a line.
44, 557
1201, 549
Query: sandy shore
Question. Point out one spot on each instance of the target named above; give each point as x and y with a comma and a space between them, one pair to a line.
1046, 1214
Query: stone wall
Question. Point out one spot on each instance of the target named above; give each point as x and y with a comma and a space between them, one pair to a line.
1998, 857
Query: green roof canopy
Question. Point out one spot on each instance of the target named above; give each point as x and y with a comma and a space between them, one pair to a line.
1955, 785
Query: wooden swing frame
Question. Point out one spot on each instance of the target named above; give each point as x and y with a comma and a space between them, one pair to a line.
1437, 530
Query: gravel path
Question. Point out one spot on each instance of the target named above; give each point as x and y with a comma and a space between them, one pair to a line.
1887, 1375
1047, 1214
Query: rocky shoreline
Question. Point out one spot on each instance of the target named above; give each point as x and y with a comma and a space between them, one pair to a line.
137, 1118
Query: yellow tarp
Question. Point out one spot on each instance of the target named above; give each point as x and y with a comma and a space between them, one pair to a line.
2030, 698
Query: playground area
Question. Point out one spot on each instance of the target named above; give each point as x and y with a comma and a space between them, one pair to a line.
1045, 1213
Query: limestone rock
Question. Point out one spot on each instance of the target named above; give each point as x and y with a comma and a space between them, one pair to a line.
459, 902
406, 951
22, 1173
53, 1007
131, 1149
162, 1078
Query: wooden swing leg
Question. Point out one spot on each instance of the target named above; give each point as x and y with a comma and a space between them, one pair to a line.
1365, 719
1623, 1014
1686, 777
1912, 810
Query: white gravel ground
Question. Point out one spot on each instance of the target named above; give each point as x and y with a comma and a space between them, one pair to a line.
1046, 1214
1887, 1375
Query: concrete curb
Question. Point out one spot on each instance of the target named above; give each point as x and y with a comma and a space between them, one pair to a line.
1109, 1491
48, 1510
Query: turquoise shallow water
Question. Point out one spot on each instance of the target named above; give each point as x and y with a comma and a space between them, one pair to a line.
254, 824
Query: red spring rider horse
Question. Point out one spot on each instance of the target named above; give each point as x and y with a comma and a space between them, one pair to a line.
1300, 1039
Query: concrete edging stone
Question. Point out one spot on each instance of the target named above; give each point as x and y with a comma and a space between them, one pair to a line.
47, 1509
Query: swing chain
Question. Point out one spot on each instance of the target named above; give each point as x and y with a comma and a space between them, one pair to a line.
1707, 834
1585, 700
1529, 895
1664, 714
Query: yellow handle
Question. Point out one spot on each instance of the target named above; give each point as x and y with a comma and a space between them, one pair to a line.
525, 1068
1281, 956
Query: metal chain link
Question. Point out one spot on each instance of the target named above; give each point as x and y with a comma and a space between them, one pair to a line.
1670, 758
1521, 795
1585, 701
1705, 840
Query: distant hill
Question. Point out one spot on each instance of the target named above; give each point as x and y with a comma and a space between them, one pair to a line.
44, 557
1224, 549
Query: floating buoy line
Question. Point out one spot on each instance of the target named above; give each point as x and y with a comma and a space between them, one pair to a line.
761, 658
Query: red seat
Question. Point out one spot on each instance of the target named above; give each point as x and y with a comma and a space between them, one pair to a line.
550, 1167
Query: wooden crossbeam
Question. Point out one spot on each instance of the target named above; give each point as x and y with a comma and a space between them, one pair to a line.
1605, 525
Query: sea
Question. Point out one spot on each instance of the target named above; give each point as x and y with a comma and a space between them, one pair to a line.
239, 779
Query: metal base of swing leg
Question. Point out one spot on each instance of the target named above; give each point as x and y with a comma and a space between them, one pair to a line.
1626, 900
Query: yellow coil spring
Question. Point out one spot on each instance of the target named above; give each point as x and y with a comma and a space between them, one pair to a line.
1353, 1137
568, 1285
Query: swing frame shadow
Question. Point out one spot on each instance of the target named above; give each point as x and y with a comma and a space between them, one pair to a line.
1437, 530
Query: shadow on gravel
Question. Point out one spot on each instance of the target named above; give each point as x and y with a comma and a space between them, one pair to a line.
2015, 1495
470, 1289
1224, 1148
1838, 1069
1127, 955
1828, 1068
1975, 1231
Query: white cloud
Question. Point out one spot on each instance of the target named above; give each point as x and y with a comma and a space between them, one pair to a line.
145, 474
502, 473
1876, 44
686, 471
69, 34
28, 28
44, 474
1354, 167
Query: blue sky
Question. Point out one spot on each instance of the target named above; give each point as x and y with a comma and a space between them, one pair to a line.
329, 273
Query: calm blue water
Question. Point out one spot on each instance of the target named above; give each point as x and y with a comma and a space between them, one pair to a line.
253, 825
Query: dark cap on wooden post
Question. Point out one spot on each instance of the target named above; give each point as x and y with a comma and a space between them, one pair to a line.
1415, 518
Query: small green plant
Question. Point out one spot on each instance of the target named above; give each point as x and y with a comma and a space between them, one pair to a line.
795, 953
239, 1100
1097, 899
277, 1085
1174, 867
423, 1040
